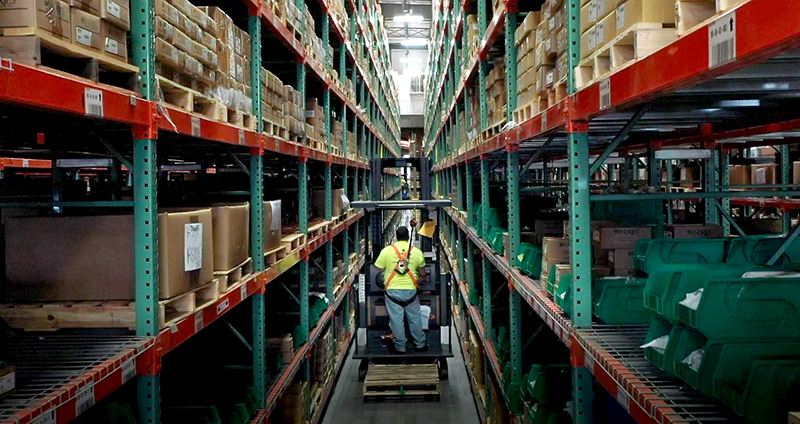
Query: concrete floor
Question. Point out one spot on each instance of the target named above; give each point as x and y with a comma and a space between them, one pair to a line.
457, 405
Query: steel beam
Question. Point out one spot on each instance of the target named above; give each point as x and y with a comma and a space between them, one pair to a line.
619, 138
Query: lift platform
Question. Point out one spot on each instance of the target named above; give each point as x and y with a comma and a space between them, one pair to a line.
372, 322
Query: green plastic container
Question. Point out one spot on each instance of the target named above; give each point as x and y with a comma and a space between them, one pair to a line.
669, 284
551, 280
747, 309
552, 385
190, 414
758, 250
660, 327
771, 392
111, 413
540, 414
633, 212
563, 296
497, 239
651, 255
529, 260
619, 301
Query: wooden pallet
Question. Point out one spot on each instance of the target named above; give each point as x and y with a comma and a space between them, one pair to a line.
51, 316
402, 381
317, 228
241, 119
275, 130
295, 138
527, 111
191, 101
690, 14
227, 279
39, 48
493, 130
293, 241
273, 256
558, 92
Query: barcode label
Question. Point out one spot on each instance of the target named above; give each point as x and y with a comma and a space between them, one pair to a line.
243, 291
93, 102
114, 9
241, 137
48, 417
588, 363
128, 370
26, 163
623, 399
605, 94
223, 306
722, 40
362, 295
621, 16
198, 321
544, 121
84, 400
195, 126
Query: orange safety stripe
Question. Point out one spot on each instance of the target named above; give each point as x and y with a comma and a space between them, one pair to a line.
402, 258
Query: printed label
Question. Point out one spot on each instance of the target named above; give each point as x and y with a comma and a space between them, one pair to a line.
223, 306
7, 382
362, 295
48, 417
592, 38
243, 291
592, 12
195, 126
605, 93
544, 121
112, 46
93, 102
198, 321
548, 79
722, 40
623, 399
241, 137
128, 370
621, 16
83, 36
551, 23
84, 400
193, 246
26, 163
114, 9
548, 44
599, 34
588, 362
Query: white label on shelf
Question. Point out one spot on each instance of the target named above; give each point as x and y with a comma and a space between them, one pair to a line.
310, 114
621, 16
588, 362
114, 9
84, 400
7, 382
26, 163
195, 126
623, 399
241, 137
193, 246
605, 93
128, 370
112, 46
83, 36
362, 295
544, 121
93, 102
549, 78
198, 321
48, 417
243, 291
722, 40
223, 306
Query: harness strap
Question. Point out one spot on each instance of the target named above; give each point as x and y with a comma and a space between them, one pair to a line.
401, 257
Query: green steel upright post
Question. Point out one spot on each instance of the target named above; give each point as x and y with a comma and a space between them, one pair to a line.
256, 217
145, 209
654, 167
486, 280
514, 307
579, 220
786, 178
725, 159
469, 189
670, 177
483, 70
511, 65
711, 184
304, 270
484, 197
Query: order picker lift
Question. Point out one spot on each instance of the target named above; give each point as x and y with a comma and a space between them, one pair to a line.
372, 322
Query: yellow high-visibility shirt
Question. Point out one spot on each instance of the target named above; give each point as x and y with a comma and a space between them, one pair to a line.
388, 259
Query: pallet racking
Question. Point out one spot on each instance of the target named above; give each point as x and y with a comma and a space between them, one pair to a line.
139, 125
680, 95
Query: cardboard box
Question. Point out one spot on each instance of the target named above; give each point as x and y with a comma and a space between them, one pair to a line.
115, 40
763, 174
168, 12
186, 251
318, 202
8, 379
621, 261
271, 223
231, 225
86, 30
684, 231
619, 237
740, 174
588, 17
91, 6
632, 12
795, 173
52, 17
167, 54
606, 29
588, 44
555, 249
561, 271
118, 12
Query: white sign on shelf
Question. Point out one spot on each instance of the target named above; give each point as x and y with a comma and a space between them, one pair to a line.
93, 102
243, 291
195, 126
48, 417
722, 40
193, 246
241, 137
544, 121
128, 370
605, 93
223, 306
84, 400
362, 294
198, 321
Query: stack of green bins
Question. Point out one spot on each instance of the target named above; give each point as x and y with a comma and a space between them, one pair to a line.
545, 391
651, 255
619, 301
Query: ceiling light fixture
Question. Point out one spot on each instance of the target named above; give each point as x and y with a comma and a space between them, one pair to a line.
410, 60
414, 42
408, 18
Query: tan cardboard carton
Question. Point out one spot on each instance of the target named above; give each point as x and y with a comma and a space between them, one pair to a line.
271, 223
86, 30
621, 261
619, 237
796, 173
115, 40
186, 251
91, 6
763, 174
51, 16
632, 12
168, 12
740, 174
231, 235
684, 231
555, 249
118, 12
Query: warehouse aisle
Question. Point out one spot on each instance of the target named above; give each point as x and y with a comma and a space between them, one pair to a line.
457, 405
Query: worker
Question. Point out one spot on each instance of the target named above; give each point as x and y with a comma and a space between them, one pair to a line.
403, 266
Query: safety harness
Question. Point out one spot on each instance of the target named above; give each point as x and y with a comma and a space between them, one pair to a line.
402, 266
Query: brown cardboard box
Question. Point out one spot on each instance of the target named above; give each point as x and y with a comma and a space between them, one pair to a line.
632, 12
740, 174
621, 261
796, 173
167, 54
555, 249
619, 237
47, 15
318, 202
117, 12
115, 40
231, 235
272, 224
684, 231
86, 30
561, 271
168, 12
186, 251
91, 6
763, 174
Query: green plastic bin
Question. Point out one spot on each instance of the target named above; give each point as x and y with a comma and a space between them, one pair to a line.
111, 413
529, 260
190, 414
660, 327
496, 239
771, 392
563, 296
746, 309
651, 255
758, 250
619, 301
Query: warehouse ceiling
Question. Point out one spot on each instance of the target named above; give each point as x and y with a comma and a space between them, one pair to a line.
398, 31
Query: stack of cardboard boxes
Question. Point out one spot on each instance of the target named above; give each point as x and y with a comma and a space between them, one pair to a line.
98, 25
496, 87
616, 244
294, 111
233, 50
315, 118
293, 406
525, 40
555, 251
271, 97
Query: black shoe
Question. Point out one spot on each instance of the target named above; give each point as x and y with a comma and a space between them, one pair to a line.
394, 350
421, 349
